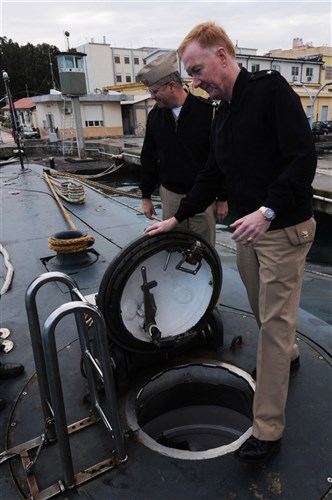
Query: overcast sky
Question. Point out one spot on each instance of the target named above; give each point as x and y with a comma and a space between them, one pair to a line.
261, 25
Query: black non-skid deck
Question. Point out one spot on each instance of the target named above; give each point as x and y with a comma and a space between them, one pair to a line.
303, 468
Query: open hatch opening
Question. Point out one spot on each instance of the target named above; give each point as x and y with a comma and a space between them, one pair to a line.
193, 411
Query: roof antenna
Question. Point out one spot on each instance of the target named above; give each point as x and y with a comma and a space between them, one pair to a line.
67, 34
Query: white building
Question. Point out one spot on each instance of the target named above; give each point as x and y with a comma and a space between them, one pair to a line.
303, 70
101, 115
106, 112
105, 65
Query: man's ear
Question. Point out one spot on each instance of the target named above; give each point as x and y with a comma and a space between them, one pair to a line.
221, 54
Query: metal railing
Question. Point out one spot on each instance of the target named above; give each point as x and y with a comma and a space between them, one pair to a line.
50, 389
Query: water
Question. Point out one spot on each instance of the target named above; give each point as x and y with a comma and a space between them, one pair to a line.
321, 250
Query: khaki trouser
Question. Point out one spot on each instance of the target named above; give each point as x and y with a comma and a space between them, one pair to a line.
203, 223
272, 272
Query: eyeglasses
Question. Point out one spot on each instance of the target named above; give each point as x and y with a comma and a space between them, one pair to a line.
155, 91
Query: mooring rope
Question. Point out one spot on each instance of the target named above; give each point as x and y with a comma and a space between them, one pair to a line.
69, 190
104, 187
109, 170
101, 188
70, 245
10, 270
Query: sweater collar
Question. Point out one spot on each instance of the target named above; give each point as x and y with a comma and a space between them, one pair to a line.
239, 85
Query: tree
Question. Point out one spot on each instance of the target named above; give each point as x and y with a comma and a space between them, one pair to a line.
32, 69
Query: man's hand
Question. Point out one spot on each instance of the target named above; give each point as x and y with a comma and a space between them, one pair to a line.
250, 228
148, 208
221, 210
161, 227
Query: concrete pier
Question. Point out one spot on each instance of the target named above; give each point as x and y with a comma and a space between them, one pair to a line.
323, 184
101, 150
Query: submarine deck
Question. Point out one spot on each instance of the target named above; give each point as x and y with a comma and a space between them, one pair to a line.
302, 470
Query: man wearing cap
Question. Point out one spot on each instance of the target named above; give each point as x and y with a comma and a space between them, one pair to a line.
176, 145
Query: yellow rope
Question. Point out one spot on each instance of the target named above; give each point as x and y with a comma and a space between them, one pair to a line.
101, 188
80, 244
105, 187
62, 208
72, 245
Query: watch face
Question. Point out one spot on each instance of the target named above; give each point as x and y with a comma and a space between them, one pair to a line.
269, 214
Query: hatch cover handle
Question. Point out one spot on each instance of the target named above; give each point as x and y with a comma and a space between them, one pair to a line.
150, 308
193, 256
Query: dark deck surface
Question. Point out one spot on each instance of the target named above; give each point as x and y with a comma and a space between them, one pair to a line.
302, 470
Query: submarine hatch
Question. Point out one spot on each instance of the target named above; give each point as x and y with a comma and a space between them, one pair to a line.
158, 297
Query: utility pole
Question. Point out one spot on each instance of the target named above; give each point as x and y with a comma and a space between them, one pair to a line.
13, 114
51, 68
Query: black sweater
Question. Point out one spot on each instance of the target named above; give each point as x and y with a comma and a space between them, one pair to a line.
174, 152
262, 148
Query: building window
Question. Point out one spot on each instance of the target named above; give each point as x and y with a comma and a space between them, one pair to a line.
93, 115
136, 60
50, 122
117, 59
295, 71
127, 60
254, 68
308, 112
324, 114
328, 73
118, 78
128, 79
276, 67
69, 62
309, 73
94, 123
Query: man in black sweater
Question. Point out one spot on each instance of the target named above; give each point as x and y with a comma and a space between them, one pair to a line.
176, 146
262, 148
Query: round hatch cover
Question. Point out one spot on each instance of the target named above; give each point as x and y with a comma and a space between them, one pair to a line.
159, 290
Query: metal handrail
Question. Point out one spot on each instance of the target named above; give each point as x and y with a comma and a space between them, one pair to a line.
110, 414
47, 367
36, 341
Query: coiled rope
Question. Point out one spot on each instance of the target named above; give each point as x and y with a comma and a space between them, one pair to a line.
69, 190
70, 245
103, 187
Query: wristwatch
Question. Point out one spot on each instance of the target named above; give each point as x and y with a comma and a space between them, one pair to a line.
267, 213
